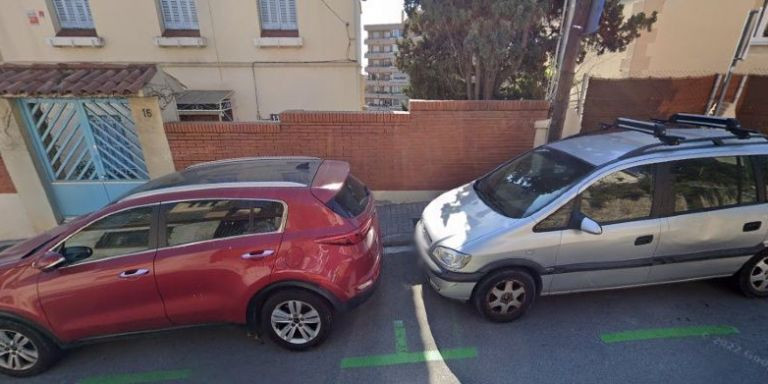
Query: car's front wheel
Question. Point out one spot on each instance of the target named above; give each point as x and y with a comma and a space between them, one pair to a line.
296, 319
753, 277
24, 351
505, 295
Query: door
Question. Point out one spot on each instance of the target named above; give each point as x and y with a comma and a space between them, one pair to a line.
112, 291
213, 254
623, 204
89, 149
716, 220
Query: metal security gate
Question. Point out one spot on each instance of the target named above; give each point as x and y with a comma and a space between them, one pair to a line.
89, 148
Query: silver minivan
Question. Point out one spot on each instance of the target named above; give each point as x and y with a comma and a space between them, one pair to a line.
641, 203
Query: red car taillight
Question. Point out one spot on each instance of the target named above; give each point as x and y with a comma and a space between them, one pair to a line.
350, 238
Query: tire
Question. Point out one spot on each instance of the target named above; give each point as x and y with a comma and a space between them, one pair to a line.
506, 295
18, 344
753, 277
303, 320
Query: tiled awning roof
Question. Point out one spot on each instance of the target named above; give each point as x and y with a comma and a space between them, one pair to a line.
74, 79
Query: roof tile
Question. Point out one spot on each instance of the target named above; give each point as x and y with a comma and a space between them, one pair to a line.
74, 79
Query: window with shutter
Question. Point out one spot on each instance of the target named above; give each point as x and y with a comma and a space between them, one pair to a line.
278, 15
179, 14
73, 14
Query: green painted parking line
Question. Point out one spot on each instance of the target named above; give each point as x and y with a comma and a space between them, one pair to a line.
409, 358
402, 356
401, 343
667, 333
138, 378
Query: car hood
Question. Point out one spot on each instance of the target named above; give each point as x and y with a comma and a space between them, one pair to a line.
459, 217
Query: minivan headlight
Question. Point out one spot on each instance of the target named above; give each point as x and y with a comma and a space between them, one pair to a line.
451, 259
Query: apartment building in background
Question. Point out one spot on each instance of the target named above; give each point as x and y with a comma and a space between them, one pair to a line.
238, 59
385, 83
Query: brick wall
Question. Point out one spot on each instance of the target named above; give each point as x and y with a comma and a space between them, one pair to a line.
6, 184
753, 105
437, 145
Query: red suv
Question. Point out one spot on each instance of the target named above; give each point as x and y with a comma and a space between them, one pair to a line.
280, 244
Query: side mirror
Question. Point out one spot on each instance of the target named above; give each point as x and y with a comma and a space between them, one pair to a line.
50, 261
76, 253
590, 226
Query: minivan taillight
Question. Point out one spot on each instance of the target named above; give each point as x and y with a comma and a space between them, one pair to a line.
350, 238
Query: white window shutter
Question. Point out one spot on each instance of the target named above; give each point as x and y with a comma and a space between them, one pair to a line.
278, 14
288, 14
269, 12
179, 14
75, 14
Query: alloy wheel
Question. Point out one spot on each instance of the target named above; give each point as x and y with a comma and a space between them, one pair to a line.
17, 352
296, 321
759, 276
506, 296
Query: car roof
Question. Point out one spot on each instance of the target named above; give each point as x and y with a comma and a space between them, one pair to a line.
263, 172
604, 147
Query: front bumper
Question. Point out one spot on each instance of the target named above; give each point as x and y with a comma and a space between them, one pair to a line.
453, 285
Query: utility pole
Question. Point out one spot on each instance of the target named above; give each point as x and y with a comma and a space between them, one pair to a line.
567, 68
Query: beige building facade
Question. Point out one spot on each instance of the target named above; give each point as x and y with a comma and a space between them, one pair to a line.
273, 55
690, 38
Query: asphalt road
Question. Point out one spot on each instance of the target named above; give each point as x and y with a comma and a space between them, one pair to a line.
558, 341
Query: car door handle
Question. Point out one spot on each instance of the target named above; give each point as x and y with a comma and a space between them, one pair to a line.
134, 273
751, 226
642, 240
255, 255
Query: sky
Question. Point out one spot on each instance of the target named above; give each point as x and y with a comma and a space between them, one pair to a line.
379, 12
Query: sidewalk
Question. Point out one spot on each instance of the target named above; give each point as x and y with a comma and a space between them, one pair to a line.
397, 222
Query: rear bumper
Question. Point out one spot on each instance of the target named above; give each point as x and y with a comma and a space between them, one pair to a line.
368, 284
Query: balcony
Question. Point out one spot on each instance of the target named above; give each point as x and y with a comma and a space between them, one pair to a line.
386, 83
385, 95
380, 40
381, 69
379, 55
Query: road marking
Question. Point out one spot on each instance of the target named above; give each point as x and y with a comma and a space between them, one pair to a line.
402, 356
401, 343
667, 333
409, 358
138, 378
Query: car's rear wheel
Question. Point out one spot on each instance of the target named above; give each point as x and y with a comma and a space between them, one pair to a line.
505, 295
296, 319
24, 351
753, 277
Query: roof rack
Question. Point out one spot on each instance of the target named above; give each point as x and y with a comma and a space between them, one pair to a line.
728, 123
656, 129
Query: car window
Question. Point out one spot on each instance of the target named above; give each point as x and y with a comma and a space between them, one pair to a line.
193, 221
620, 196
351, 199
557, 220
530, 182
118, 234
712, 182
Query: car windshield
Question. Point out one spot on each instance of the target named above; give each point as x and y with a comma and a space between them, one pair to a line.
528, 183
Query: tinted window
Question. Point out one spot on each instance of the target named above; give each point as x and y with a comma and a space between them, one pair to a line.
530, 182
557, 220
711, 183
117, 234
622, 195
193, 221
351, 199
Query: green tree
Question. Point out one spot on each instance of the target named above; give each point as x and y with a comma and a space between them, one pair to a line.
496, 49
